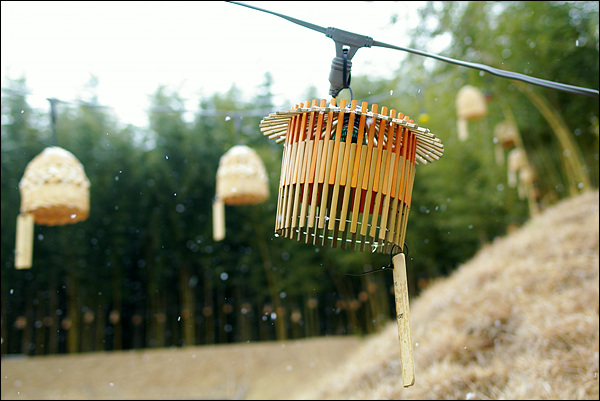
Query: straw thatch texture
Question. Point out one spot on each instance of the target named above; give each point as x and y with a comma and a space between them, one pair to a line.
506, 134
55, 189
241, 177
470, 103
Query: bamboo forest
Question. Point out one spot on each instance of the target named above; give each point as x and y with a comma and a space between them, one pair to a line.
144, 270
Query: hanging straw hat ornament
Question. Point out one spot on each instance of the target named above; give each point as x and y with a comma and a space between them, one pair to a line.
241, 180
346, 179
54, 191
470, 106
517, 160
506, 136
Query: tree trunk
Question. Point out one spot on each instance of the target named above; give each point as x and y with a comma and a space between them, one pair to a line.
100, 329
117, 310
73, 313
208, 310
186, 299
265, 255
52, 313
577, 178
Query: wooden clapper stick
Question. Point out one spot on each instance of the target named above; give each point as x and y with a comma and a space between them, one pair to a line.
403, 319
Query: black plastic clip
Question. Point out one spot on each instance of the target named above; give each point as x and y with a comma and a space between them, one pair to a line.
346, 45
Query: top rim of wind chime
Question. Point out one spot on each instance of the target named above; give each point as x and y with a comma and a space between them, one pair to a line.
54, 188
429, 147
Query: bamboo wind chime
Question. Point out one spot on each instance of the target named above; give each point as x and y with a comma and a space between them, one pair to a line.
470, 106
54, 191
346, 178
241, 180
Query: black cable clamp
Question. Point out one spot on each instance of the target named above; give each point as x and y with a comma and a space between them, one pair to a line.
346, 45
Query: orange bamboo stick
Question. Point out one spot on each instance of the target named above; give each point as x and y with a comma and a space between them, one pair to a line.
318, 142
371, 140
338, 137
382, 127
325, 189
299, 168
326, 140
395, 184
318, 161
349, 134
359, 143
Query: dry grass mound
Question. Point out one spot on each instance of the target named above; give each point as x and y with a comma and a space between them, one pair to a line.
518, 321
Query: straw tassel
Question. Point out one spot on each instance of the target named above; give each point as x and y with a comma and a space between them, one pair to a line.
218, 219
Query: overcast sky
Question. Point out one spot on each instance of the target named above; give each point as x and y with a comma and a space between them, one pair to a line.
196, 48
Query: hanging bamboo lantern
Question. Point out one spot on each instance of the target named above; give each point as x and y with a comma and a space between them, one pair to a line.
506, 136
470, 106
241, 180
526, 180
346, 179
517, 160
54, 191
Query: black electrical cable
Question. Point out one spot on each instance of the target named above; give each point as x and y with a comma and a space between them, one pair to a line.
494, 71
498, 72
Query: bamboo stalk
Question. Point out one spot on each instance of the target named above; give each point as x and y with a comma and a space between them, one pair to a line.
403, 320
399, 161
370, 169
338, 138
410, 181
369, 192
347, 173
297, 177
306, 170
358, 190
402, 189
380, 140
283, 178
317, 167
325, 168
290, 186
336, 183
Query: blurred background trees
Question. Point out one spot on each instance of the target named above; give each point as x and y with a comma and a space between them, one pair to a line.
143, 269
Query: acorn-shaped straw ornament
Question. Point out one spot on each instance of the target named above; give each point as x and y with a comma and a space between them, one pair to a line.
241, 180
54, 191
470, 106
506, 137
